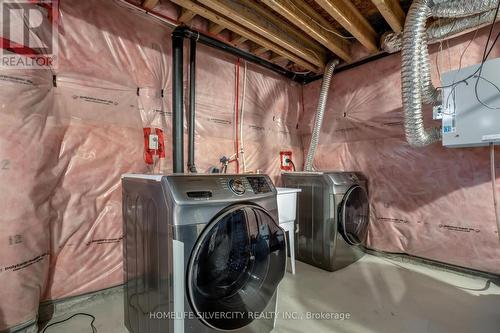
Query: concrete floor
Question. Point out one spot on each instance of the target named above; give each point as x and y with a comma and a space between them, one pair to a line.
379, 294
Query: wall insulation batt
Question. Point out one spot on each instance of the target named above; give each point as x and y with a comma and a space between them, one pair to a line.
64, 144
432, 202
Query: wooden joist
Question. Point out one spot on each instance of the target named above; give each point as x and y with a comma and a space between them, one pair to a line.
306, 18
288, 29
259, 51
392, 12
186, 16
344, 12
238, 40
250, 35
215, 28
150, 4
251, 20
276, 58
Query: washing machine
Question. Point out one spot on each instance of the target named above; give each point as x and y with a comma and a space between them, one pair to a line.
202, 253
332, 217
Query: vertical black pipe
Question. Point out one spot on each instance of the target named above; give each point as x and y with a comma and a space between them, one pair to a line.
177, 102
192, 106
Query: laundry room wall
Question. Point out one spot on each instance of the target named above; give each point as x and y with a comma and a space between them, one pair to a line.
67, 135
431, 202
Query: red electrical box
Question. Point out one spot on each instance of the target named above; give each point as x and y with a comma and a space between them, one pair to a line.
286, 161
154, 144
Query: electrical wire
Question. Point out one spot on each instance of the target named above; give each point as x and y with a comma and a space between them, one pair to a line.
462, 56
293, 164
94, 329
485, 56
494, 186
452, 92
477, 73
486, 52
468, 45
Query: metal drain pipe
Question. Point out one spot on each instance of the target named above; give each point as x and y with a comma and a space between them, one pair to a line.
177, 102
192, 107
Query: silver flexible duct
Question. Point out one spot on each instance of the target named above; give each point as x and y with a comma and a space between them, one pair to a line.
445, 28
430, 94
462, 8
392, 42
416, 80
411, 76
320, 113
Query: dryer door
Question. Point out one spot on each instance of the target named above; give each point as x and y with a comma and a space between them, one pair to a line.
235, 267
354, 216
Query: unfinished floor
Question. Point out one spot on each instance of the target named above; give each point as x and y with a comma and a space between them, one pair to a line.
381, 295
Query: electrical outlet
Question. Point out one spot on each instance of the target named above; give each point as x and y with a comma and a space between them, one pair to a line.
285, 157
153, 142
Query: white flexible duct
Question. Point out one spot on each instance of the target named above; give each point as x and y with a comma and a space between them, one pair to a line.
320, 112
415, 74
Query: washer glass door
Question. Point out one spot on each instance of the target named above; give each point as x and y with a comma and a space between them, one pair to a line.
354, 216
235, 267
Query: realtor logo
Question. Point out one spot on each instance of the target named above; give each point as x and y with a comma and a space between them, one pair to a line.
28, 35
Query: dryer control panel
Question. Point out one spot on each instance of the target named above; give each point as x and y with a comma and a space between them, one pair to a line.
237, 185
192, 188
259, 184
247, 185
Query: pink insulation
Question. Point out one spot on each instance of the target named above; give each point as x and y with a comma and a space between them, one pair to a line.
432, 202
63, 148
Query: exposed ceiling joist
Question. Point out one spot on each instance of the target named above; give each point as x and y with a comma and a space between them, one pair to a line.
248, 18
344, 12
230, 25
238, 40
186, 16
392, 12
259, 51
150, 4
276, 58
288, 29
307, 19
215, 28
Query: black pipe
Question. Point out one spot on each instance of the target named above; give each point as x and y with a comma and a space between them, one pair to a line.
177, 102
217, 44
178, 36
192, 106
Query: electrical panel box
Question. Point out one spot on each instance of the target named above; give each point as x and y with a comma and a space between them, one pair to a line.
470, 114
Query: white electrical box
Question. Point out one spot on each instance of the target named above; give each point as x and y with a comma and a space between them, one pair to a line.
153, 142
470, 120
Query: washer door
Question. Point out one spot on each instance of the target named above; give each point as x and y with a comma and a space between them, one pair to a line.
354, 216
236, 266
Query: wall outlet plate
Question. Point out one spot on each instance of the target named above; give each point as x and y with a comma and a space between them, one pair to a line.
284, 157
153, 142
